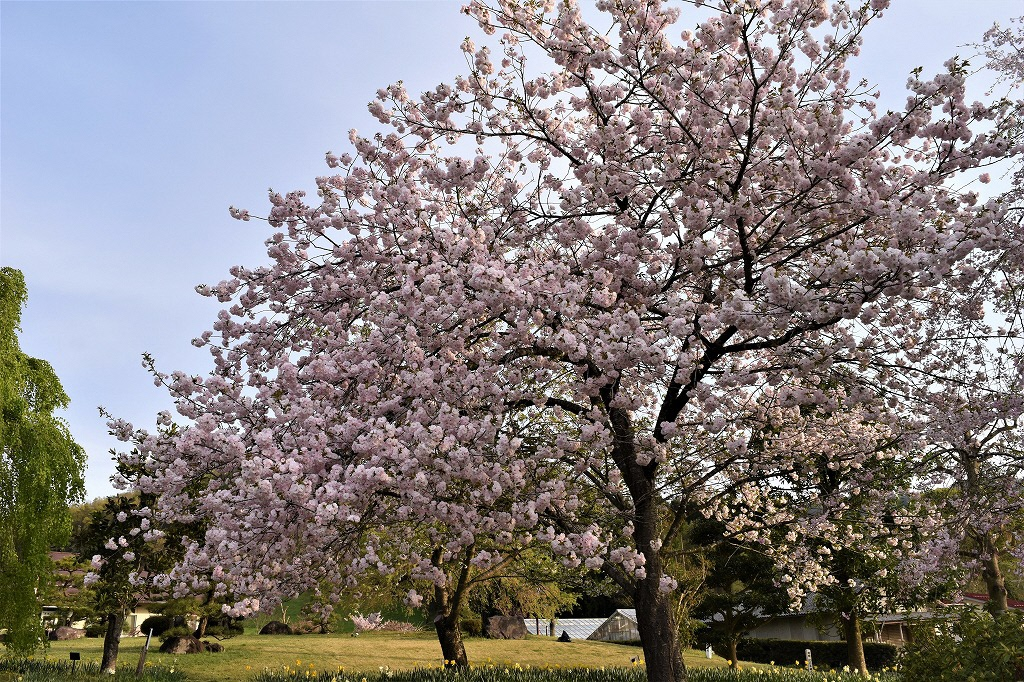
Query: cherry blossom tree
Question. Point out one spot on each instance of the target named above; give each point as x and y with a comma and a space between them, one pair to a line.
965, 390
661, 233
963, 378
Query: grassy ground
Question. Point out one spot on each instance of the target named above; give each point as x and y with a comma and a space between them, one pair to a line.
245, 655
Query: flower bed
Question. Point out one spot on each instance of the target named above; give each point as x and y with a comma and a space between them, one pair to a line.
43, 670
528, 674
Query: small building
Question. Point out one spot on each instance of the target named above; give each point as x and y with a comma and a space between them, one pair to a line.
618, 627
801, 625
981, 600
576, 628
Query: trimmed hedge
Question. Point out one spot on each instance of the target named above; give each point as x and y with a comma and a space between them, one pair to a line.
160, 624
832, 654
472, 627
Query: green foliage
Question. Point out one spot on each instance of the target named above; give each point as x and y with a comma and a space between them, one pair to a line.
534, 591
40, 473
31, 670
878, 656
225, 628
95, 629
159, 624
117, 519
176, 631
67, 591
972, 646
472, 627
739, 590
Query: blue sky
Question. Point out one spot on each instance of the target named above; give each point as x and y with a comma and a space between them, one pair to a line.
128, 128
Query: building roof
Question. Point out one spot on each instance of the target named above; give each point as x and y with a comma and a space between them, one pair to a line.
983, 598
628, 613
578, 628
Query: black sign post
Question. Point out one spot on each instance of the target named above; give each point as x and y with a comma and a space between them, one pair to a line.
75, 658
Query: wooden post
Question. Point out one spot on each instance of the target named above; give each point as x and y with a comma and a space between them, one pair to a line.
142, 655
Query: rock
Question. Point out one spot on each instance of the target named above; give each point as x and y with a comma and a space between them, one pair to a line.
564, 637
506, 627
62, 634
276, 627
213, 647
182, 645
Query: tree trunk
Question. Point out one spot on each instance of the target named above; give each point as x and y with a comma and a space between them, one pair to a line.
655, 614
995, 582
112, 642
200, 632
656, 623
734, 661
448, 601
450, 637
854, 644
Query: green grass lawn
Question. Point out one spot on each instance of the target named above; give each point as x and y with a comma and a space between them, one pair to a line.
247, 654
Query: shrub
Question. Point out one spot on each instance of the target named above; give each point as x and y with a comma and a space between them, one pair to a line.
375, 621
971, 646
177, 631
366, 623
224, 628
159, 624
472, 627
95, 630
831, 654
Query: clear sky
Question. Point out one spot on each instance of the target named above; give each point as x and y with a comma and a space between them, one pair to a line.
128, 128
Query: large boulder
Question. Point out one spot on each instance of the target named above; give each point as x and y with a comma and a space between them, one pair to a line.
182, 645
62, 634
506, 627
276, 627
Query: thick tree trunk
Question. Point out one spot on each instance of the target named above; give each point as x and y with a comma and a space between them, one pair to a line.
200, 632
112, 642
995, 582
734, 661
448, 601
656, 623
855, 644
450, 637
655, 614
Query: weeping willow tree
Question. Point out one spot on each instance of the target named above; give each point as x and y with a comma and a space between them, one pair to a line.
40, 473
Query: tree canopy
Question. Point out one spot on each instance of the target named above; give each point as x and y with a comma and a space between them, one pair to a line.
40, 472
659, 248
